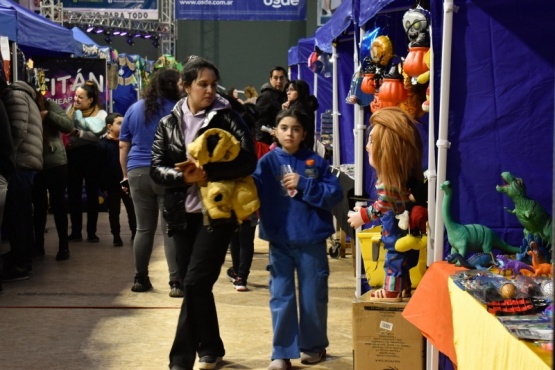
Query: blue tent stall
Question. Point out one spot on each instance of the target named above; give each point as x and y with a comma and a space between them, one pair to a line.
87, 47
34, 34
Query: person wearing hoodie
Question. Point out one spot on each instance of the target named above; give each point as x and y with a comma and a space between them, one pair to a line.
201, 242
296, 219
26, 131
268, 104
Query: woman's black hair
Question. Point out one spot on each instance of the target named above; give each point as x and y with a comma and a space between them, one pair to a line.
93, 92
193, 66
163, 84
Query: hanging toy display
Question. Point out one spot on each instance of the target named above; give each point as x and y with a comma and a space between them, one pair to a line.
320, 63
392, 91
416, 23
381, 52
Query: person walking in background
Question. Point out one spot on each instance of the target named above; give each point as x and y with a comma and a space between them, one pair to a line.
269, 104
110, 177
135, 144
251, 94
88, 118
201, 241
26, 130
297, 227
242, 242
299, 97
50, 184
395, 152
232, 92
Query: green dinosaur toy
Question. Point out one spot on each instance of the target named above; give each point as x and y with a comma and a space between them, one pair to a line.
530, 214
471, 237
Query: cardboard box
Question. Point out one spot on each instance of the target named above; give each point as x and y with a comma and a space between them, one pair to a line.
384, 340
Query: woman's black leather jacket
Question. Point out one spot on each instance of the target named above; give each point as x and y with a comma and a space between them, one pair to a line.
169, 148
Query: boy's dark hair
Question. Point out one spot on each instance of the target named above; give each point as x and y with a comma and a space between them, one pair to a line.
110, 118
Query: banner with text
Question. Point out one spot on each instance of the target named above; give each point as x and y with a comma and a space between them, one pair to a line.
63, 76
128, 9
241, 10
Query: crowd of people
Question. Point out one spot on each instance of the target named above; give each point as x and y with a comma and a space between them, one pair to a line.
256, 152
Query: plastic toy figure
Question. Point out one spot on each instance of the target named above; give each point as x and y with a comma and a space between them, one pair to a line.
530, 213
471, 237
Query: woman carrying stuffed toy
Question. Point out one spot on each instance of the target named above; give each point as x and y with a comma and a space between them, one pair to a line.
201, 242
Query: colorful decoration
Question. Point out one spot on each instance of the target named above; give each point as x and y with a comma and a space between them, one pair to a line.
417, 23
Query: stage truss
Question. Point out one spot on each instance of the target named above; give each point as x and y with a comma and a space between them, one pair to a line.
163, 31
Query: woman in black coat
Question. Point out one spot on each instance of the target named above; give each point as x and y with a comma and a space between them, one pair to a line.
201, 242
299, 97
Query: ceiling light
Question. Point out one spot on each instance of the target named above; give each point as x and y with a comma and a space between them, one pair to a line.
116, 32
89, 28
123, 33
99, 30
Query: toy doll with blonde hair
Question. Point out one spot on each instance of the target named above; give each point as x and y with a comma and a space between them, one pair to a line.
395, 152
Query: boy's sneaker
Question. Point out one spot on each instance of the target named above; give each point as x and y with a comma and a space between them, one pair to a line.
312, 357
240, 285
231, 274
117, 241
176, 291
280, 364
208, 362
141, 284
14, 273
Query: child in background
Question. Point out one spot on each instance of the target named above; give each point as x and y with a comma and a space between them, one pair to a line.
296, 218
110, 175
395, 151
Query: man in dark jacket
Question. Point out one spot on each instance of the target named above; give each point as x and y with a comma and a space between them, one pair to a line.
268, 104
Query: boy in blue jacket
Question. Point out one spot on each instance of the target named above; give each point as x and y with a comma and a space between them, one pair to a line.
296, 218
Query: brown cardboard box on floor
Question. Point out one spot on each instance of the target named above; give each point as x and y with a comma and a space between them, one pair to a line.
383, 339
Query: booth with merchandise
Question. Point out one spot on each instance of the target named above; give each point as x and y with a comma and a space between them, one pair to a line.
491, 111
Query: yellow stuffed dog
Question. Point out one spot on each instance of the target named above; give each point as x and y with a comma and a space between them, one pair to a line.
222, 197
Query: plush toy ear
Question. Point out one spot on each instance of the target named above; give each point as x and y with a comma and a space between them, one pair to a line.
212, 143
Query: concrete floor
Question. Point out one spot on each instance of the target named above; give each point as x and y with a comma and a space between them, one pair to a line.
81, 313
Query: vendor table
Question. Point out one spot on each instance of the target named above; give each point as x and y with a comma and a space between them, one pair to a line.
460, 327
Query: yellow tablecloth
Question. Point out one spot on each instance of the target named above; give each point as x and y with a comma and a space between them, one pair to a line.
482, 342
461, 328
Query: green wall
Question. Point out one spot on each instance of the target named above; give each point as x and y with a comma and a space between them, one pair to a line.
245, 52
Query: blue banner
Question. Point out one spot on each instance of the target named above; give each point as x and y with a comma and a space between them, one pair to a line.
241, 10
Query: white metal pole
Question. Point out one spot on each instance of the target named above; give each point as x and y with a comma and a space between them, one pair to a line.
335, 114
442, 142
432, 362
358, 165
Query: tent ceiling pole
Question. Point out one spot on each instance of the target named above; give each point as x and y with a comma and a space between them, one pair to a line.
15, 74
